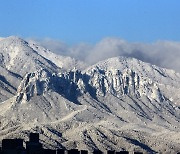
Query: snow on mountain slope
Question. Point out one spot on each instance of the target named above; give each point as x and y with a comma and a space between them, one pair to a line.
119, 103
130, 76
7, 89
18, 57
61, 61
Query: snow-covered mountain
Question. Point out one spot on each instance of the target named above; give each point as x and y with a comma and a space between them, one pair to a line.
64, 62
19, 57
119, 103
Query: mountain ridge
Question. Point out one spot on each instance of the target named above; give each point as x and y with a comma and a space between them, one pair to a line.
106, 106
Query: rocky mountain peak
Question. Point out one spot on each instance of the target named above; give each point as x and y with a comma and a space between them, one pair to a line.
118, 100
33, 84
123, 79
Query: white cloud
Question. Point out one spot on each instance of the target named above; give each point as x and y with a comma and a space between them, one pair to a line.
162, 53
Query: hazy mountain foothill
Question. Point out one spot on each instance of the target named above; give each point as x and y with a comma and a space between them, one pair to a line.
117, 104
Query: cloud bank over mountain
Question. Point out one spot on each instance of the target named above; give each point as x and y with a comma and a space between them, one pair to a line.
162, 53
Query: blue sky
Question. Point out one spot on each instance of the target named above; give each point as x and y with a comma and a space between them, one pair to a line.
75, 21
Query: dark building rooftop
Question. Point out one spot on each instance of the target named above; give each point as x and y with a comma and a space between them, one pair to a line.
33, 146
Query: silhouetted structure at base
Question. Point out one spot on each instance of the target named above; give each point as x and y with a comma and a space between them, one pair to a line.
122, 152
33, 146
12, 146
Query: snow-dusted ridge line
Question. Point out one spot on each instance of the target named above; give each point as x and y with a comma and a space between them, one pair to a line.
61, 61
103, 106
